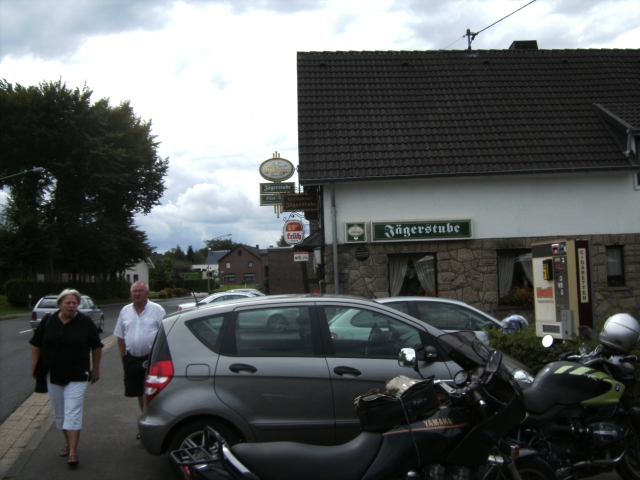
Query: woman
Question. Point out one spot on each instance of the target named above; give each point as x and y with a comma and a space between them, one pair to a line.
60, 349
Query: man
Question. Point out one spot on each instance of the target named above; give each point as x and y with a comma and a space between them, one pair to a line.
136, 329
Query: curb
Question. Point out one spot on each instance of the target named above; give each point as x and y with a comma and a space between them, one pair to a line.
24, 429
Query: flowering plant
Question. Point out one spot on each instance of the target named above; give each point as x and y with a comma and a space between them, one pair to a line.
518, 296
423, 292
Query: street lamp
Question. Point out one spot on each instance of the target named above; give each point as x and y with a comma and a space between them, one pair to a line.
208, 273
208, 252
36, 169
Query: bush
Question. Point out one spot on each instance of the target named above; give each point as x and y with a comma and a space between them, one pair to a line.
17, 291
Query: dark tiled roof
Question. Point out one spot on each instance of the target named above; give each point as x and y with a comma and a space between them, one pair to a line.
374, 115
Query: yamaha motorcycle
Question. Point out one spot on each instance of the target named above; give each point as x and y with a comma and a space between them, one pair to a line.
440, 431
580, 417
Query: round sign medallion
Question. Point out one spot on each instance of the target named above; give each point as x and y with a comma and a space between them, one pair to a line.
277, 169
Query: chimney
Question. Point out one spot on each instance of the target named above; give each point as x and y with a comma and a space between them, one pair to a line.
524, 45
258, 247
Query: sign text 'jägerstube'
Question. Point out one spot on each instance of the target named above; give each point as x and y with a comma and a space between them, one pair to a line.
422, 230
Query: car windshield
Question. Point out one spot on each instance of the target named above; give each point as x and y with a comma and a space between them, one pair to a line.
465, 349
47, 303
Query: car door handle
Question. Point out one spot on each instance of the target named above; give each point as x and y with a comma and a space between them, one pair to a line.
347, 371
241, 367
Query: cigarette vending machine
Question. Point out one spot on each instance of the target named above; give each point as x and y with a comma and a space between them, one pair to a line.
562, 287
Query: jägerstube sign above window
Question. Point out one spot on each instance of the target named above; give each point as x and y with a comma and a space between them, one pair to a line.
422, 230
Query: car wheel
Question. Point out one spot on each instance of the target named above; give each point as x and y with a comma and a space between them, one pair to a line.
277, 323
101, 327
191, 434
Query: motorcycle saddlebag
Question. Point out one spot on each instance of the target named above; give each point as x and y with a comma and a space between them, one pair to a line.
379, 412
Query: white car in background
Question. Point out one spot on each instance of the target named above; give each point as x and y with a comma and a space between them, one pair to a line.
235, 294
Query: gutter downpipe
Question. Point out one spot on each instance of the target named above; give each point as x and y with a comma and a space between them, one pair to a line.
334, 228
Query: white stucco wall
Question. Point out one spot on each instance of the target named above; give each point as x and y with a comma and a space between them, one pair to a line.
498, 206
141, 269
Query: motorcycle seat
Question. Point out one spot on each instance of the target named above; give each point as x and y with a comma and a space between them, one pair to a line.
293, 461
540, 400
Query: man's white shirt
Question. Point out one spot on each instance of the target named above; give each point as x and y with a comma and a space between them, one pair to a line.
139, 331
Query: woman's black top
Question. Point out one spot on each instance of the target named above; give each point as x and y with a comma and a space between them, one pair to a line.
66, 348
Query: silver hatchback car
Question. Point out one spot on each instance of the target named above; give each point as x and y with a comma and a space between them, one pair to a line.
217, 365
47, 304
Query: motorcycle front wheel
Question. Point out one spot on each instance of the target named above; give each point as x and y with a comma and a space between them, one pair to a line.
534, 468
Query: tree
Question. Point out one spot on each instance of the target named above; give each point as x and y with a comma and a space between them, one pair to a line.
100, 167
220, 244
190, 254
281, 242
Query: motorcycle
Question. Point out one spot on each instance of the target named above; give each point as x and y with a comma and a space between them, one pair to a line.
460, 436
580, 417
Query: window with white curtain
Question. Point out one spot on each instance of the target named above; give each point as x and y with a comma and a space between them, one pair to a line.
515, 270
413, 274
615, 266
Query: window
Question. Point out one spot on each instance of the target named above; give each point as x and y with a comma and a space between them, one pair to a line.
239, 253
230, 278
412, 275
228, 264
515, 273
451, 317
207, 330
249, 277
274, 332
250, 264
615, 266
357, 332
136, 278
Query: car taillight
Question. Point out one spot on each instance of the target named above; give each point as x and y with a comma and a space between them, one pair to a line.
159, 375
179, 309
334, 336
34, 317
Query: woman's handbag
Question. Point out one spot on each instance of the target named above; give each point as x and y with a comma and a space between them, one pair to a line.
38, 372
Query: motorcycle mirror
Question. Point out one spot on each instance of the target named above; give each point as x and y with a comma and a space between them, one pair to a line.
407, 357
495, 359
547, 341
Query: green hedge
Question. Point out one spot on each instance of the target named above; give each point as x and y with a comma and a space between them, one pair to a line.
17, 291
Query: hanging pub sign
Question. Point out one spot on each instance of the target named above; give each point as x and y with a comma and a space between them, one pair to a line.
421, 230
293, 232
277, 169
282, 187
300, 202
355, 232
266, 200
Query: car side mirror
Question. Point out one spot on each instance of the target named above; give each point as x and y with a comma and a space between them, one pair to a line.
407, 357
430, 352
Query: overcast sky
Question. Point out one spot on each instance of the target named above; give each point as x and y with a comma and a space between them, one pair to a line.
217, 78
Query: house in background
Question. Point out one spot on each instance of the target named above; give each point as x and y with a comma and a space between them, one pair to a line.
139, 272
211, 264
443, 167
242, 265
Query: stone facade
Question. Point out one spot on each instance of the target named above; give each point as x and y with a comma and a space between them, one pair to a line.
467, 270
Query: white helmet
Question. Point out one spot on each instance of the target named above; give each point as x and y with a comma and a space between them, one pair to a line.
621, 332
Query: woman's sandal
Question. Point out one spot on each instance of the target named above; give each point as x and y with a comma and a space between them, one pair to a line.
65, 451
73, 460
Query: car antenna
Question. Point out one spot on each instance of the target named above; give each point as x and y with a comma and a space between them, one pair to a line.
195, 298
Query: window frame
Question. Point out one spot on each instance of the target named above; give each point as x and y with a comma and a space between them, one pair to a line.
615, 280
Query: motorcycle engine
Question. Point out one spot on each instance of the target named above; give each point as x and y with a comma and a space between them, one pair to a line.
605, 434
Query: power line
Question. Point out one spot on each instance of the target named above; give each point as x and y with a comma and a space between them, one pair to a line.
471, 35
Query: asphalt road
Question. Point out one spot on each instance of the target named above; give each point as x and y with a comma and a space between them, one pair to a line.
16, 383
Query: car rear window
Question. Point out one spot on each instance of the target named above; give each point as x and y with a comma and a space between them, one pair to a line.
47, 303
207, 330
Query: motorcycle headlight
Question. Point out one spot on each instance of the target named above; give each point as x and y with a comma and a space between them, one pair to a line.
522, 376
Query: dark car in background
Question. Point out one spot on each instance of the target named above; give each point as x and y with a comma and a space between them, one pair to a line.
47, 304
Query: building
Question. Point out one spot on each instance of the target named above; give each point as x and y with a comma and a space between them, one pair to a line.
139, 272
211, 264
242, 265
288, 276
443, 167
